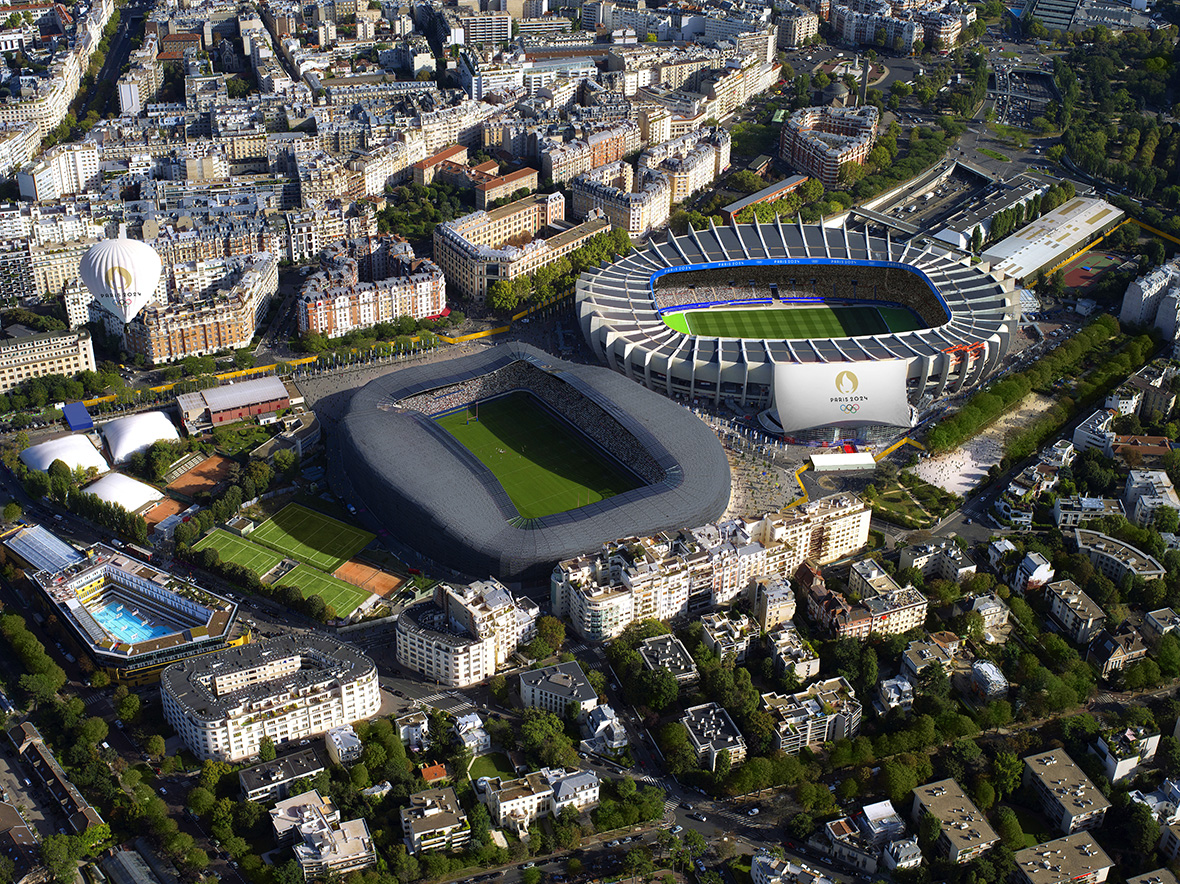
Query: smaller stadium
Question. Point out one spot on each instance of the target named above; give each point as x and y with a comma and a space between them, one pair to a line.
130, 617
507, 460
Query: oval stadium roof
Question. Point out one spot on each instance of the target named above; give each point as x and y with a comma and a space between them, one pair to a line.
137, 432
131, 494
73, 451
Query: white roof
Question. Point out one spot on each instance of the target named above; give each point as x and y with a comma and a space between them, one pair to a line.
131, 494
75, 451
130, 435
841, 460
1051, 237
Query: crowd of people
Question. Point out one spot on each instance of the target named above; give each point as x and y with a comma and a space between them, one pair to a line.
566, 400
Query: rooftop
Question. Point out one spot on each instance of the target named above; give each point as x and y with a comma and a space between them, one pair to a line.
563, 679
1066, 782
1066, 859
962, 823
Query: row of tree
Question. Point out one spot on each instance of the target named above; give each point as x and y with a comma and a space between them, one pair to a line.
557, 279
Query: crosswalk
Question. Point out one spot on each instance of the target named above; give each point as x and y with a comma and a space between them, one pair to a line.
456, 704
579, 649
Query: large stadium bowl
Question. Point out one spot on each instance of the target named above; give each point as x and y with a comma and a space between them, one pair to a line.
435, 497
972, 316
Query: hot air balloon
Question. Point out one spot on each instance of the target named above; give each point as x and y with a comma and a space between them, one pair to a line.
122, 275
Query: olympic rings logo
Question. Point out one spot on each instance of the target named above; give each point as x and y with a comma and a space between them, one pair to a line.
851, 408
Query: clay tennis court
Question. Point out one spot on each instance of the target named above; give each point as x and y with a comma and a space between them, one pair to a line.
368, 578
206, 475
162, 510
1084, 271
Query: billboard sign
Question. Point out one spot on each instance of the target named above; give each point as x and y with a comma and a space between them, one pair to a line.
841, 394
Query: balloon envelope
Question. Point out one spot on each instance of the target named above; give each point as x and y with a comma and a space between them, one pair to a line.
122, 274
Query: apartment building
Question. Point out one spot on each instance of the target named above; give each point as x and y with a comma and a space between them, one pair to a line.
919, 654
1068, 799
1094, 431
1069, 512
1115, 649
479, 249
434, 820
368, 281
1079, 616
795, 25
988, 606
791, 651
668, 652
36, 354
466, 633
521, 802
1116, 559
774, 601
1160, 622
611, 189
711, 731
323, 845
822, 713
61, 171
1123, 750
1033, 572
937, 560
892, 609
1145, 493
729, 635
1074, 859
598, 146
558, 689
270, 780
819, 140
965, 831
413, 729
690, 162
289, 688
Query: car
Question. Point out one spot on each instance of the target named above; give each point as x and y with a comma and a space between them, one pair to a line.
700, 866
163, 791
612, 844
528, 865
753, 811
676, 830
699, 817
118, 724
684, 805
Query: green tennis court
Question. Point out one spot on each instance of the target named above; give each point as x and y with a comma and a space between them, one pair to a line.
310, 537
240, 551
344, 597
793, 323
544, 465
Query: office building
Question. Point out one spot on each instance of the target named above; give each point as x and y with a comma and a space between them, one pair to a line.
289, 688
1068, 799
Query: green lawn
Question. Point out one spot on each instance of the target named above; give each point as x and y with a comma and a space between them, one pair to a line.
543, 464
994, 154
233, 548
793, 323
494, 764
344, 597
311, 537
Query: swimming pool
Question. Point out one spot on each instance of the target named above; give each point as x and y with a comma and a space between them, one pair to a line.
125, 626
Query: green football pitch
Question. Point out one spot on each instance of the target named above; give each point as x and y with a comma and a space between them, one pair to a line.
242, 552
344, 597
793, 323
310, 537
543, 465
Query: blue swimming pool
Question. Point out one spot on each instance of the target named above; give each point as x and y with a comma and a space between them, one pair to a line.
127, 626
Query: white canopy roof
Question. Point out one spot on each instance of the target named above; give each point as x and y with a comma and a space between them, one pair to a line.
131, 494
137, 432
75, 451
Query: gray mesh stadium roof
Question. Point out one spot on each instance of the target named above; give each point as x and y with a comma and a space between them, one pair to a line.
437, 498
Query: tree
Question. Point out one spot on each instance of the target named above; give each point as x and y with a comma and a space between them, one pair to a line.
531, 876
402, 864
155, 746
1008, 828
12, 511
60, 855
551, 631
266, 749
1141, 830
801, 826
200, 800
1007, 770
128, 708
658, 688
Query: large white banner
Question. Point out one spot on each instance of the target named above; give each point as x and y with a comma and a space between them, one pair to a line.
841, 394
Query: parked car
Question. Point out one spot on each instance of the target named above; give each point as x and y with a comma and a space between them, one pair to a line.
699, 817
676, 830
753, 811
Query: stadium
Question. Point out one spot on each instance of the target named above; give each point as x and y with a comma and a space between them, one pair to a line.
131, 618
507, 460
790, 317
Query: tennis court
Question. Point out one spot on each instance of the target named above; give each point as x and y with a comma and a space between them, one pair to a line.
793, 323
368, 578
240, 551
1085, 270
310, 537
342, 596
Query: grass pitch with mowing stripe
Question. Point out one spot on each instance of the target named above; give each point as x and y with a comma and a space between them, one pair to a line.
344, 597
544, 465
242, 552
310, 537
794, 323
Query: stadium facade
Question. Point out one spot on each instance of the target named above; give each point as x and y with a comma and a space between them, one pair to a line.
436, 497
970, 318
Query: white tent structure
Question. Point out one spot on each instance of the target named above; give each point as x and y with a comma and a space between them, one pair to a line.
74, 451
131, 494
137, 432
